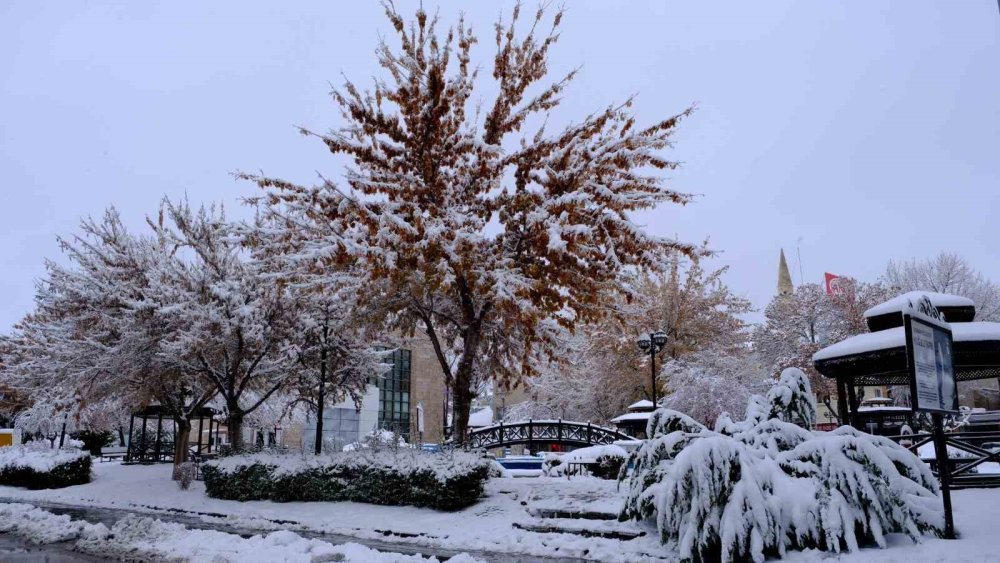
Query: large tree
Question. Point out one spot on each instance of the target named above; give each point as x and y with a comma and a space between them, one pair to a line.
233, 325
710, 382
463, 223
98, 328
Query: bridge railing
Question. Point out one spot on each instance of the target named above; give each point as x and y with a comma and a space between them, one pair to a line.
533, 432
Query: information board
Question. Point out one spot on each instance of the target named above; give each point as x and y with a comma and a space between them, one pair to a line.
929, 351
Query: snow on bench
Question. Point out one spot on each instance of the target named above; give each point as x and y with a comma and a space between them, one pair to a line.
113, 452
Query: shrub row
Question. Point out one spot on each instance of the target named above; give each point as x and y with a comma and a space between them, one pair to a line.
38, 468
442, 481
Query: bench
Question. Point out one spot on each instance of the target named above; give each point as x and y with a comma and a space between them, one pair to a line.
113, 453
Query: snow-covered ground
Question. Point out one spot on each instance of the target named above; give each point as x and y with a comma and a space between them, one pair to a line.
143, 538
502, 522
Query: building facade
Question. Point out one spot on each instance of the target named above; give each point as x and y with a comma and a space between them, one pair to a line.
408, 400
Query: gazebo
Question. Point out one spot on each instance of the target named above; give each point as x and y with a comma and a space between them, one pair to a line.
634, 421
151, 433
879, 357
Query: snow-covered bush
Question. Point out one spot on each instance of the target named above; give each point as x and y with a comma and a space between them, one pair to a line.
73, 444
864, 487
605, 462
37, 466
94, 440
378, 439
184, 474
443, 481
755, 488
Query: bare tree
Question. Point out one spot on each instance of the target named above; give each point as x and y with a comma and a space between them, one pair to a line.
947, 273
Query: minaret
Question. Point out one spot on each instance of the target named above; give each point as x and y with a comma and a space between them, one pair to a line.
784, 278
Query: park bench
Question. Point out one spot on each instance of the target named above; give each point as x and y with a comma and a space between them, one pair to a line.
113, 452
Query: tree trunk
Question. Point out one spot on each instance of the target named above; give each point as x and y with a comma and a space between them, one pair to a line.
121, 436
462, 403
321, 396
234, 423
181, 439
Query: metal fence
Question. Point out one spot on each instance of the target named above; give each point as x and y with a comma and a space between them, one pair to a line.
967, 452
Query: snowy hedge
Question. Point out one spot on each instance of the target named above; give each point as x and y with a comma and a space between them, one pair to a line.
759, 487
442, 481
605, 462
36, 466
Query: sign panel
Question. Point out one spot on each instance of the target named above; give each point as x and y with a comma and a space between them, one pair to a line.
929, 353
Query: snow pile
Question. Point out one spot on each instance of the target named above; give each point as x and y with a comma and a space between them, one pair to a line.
446, 481
604, 461
40, 526
756, 488
136, 538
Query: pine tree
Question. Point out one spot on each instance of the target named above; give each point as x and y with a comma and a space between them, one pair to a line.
465, 225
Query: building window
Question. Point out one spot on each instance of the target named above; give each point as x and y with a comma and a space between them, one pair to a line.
394, 395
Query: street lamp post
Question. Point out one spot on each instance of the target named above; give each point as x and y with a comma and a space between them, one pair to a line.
651, 345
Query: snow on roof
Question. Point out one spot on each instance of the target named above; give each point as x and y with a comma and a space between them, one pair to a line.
900, 302
883, 408
861, 343
975, 332
481, 418
896, 338
631, 416
643, 404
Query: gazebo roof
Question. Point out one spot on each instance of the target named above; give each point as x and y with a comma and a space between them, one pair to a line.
879, 358
955, 308
640, 406
632, 417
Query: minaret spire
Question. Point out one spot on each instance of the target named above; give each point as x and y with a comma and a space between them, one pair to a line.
785, 286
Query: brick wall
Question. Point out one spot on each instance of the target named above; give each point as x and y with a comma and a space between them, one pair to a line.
427, 387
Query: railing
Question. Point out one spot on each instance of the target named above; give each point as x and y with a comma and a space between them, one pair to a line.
964, 467
533, 432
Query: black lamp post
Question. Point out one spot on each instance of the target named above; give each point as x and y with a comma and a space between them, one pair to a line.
651, 345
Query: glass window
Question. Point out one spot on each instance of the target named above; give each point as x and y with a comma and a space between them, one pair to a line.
394, 395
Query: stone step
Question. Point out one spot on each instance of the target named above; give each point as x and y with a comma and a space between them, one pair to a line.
623, 535
572, 514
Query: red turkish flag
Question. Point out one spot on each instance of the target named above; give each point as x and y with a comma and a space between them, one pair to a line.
833, 284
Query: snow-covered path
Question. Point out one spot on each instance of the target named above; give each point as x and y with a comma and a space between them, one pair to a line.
490, 526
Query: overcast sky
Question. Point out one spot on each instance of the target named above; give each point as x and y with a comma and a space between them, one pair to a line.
857, 131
